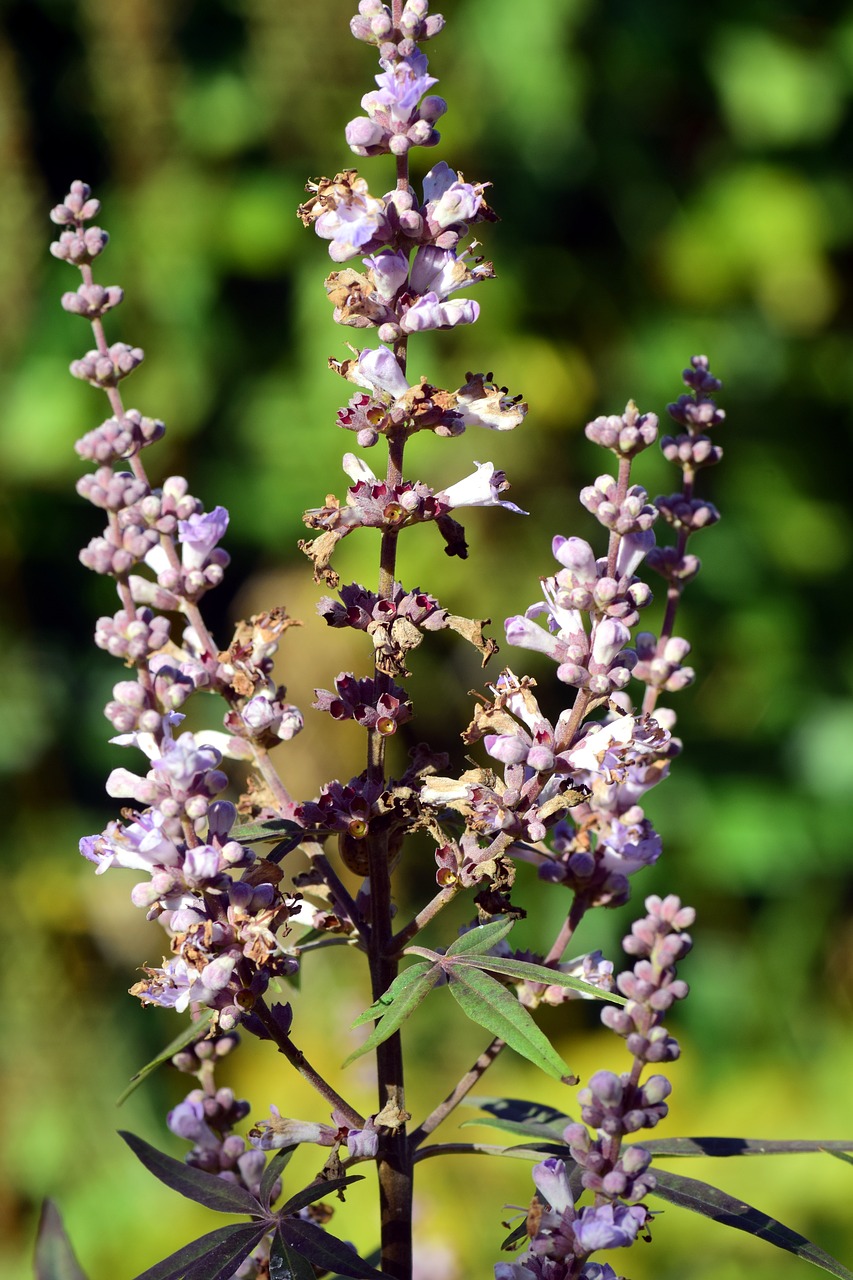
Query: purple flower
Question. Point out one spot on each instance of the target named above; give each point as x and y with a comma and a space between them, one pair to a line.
430, 313
141, 845
441, 271
377, 369
176, 984
609, 1226
448, 200
282, 1131
186, 1120
552, 1182
200, 534
390, 271
352, 224
401, 88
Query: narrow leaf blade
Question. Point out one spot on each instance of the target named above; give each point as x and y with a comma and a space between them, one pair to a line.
272, 829
478, 941
213, 1193
286, 1263
527, 1119
841, 1155
189, 1035
711, 1202
205, 1258
316, 1191
486, 1002
54, 1257
540, 973
325, 1250
397, 990
396, 1013
372, 1258
273, 1171
743, 1146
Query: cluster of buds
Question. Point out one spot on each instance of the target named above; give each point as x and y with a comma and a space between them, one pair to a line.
561, 1236
220, 909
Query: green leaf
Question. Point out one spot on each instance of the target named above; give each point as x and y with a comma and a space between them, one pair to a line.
213, 1193
527, 1119
273, 1172
286, 1263
540, 973
711, 1202
719, 1147
195, 1031
327, 1251
479, 940
401, 999
488, 1003
54, 1258
397, 989
215, 1256
272, 829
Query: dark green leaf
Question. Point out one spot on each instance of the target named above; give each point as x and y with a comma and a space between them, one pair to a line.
540, 973
372, 1258
195, 1031
212, 1192
325, 1250
742, 1146
273, 1172
286, 1263
211, 1256
316, 1191
54, 1259
478, 941
488, 1003
400, 1000
527, 1119
711, 1202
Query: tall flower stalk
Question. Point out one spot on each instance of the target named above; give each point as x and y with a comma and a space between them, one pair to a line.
564, 795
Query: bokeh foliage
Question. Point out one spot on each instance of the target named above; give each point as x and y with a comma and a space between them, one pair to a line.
669, 181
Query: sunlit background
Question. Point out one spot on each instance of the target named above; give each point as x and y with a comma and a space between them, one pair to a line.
670, 180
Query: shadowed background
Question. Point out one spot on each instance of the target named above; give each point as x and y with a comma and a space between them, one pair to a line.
665, 187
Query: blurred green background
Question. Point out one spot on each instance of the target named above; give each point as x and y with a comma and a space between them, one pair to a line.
670, 180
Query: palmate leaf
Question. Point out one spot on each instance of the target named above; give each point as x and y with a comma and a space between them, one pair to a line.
401, 999
325, 1250
194, 1031
489, 1004
215, 1256
54, 1257
711, 1202
539, 973
212, 1192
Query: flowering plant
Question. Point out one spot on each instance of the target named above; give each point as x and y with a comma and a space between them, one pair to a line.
562, 793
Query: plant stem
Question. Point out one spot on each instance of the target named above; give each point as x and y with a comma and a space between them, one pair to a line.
456, 1095
298, 1060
